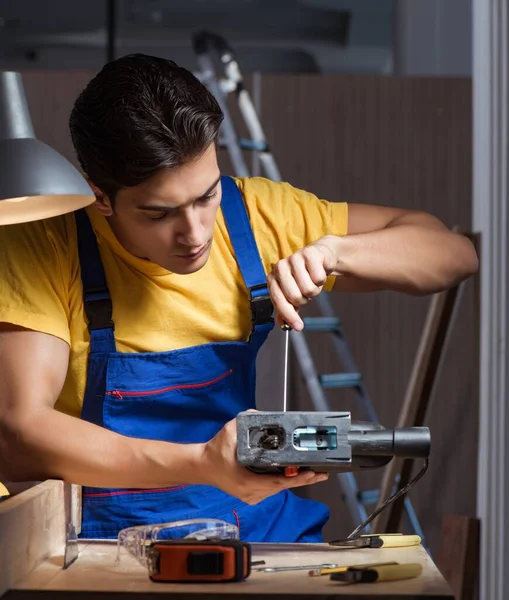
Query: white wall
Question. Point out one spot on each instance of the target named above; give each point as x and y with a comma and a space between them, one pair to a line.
433, 37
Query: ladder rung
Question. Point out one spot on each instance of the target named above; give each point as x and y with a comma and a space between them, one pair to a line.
369, 497
340, 380
322, 324
327, 323
247, 145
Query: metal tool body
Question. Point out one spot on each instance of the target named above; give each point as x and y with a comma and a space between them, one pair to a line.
296, 568
322, 441
71, 551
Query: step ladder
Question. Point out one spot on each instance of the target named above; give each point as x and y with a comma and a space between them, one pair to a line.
207, 47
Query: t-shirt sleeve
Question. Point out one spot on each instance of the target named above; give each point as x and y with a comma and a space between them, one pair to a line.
34, 277
285, 219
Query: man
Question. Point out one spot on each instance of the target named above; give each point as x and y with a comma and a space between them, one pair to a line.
130, 330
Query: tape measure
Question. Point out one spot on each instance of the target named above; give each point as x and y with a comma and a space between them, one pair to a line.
192, 560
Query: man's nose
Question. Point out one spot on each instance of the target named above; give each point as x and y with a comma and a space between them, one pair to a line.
192, 232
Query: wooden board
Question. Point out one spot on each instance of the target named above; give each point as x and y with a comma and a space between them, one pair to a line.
417, 398
32, 528
458, 558
97, 574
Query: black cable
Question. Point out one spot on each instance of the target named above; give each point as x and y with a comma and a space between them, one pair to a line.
389, 501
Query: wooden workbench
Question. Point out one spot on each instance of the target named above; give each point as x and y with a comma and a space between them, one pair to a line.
98, 574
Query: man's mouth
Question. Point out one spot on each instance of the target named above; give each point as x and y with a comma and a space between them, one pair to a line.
195, 254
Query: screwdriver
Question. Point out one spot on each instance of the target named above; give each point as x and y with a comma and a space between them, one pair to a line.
289, 471
286, 328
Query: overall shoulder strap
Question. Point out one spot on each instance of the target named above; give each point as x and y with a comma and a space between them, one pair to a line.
96, 295
246, 254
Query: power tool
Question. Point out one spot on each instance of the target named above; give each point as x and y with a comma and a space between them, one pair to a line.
285, 442
324, 442
275, 442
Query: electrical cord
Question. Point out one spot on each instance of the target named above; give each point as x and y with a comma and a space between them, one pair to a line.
389, 501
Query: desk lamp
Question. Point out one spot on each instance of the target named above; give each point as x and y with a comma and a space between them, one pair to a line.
36, 182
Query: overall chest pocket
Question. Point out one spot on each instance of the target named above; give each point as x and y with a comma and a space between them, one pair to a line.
178, 412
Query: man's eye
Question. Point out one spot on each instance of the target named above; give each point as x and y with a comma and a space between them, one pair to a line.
158, 216
208, 198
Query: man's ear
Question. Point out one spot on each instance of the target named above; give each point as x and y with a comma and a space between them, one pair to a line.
102, 201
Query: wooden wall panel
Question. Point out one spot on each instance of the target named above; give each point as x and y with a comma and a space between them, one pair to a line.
402, 142
387, 140
51, 95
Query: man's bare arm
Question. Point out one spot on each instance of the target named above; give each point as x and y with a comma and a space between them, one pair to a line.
37, 442
401, 250
385, 249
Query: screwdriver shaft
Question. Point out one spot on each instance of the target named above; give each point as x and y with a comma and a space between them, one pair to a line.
285, 383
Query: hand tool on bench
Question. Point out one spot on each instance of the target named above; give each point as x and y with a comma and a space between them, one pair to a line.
375, 574
385, 540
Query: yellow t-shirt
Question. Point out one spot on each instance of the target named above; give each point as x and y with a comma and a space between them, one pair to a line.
153, 310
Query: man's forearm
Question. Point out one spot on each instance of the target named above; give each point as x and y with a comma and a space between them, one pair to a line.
50, 444
416, 255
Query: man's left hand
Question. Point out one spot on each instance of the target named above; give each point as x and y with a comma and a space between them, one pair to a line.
295, 280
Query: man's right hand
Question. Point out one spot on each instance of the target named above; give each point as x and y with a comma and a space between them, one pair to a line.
218, 466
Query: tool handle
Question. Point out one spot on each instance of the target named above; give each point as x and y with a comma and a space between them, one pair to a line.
399, 541
395, 572
343, 569
4, 492
291, 471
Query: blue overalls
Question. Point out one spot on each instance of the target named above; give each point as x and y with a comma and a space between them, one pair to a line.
182, 396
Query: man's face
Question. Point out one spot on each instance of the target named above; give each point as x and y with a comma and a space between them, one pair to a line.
169, 219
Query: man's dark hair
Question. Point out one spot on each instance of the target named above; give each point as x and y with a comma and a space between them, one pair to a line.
138, 115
